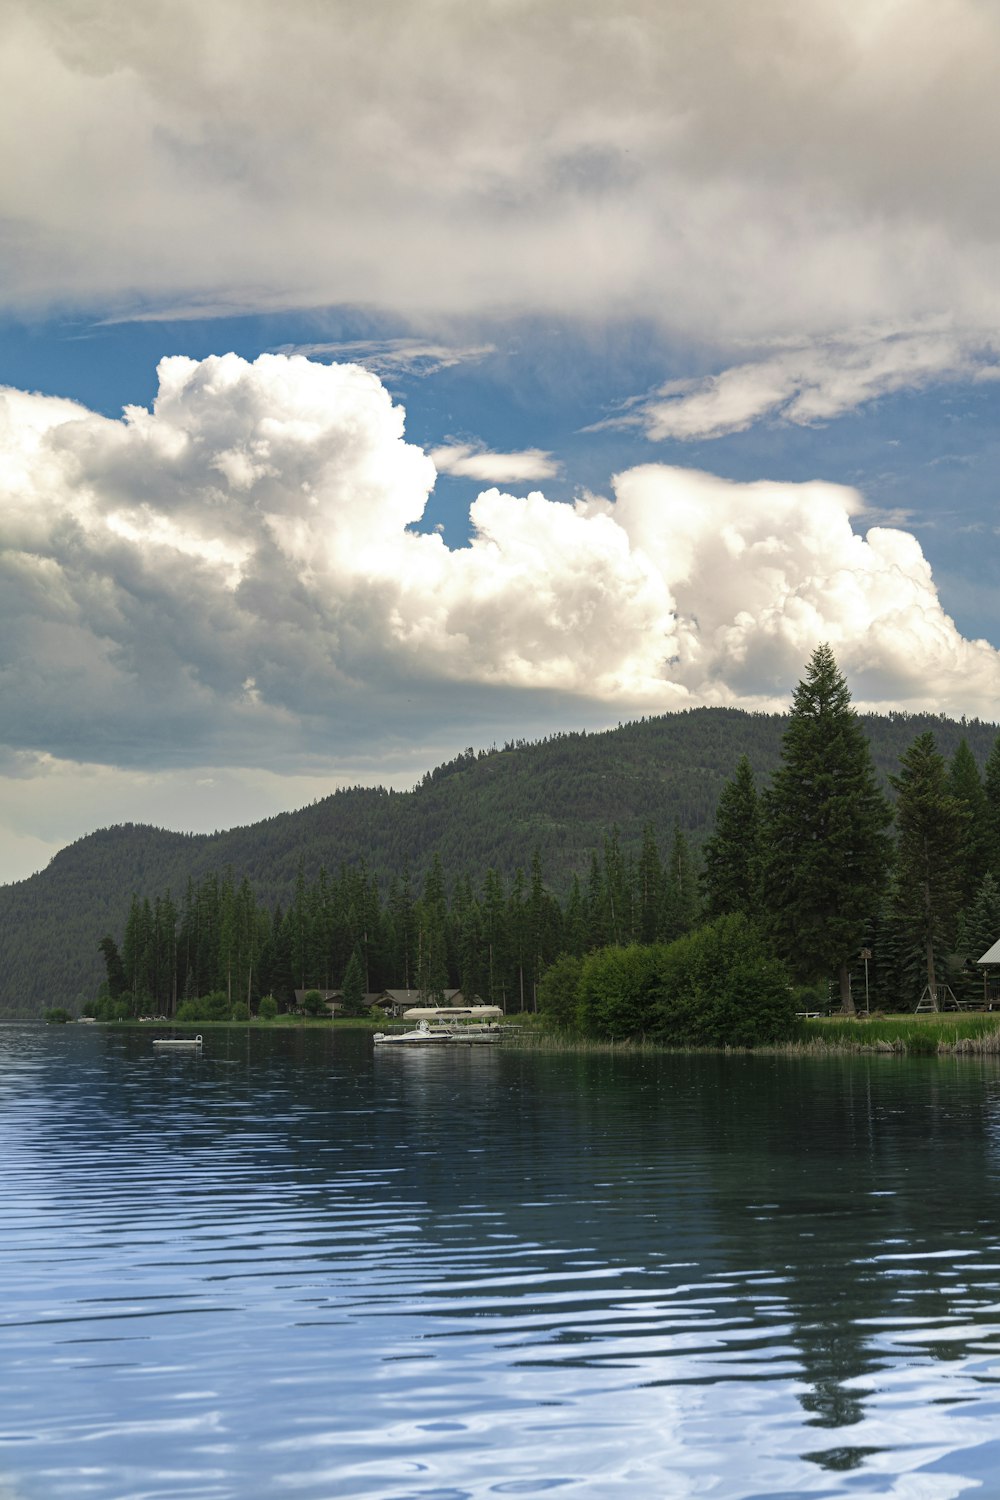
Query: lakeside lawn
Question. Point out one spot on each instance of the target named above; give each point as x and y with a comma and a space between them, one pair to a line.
943, 1031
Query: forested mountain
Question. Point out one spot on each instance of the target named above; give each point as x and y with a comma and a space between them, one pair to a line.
490, 810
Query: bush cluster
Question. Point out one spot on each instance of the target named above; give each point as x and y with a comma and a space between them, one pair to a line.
718, 986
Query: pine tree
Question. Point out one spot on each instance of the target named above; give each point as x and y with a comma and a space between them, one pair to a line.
651, 885
575, 921
928, 862
617, 896
966, 786
403, 923
598, 924
496, 938
517, 929
981, 920
991, 788
824, 830
682, 901
732, 856
535, 921
978, 930
353, 987
117, 981
465, 924
432, 917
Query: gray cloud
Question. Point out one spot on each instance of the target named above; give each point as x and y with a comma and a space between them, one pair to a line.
737, 172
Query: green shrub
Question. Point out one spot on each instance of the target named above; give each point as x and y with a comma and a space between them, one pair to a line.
57, 1016
313, 1003
559, 990
268, 1008
720, 986
213, 1007
112, 1010
617, 991
240, 1011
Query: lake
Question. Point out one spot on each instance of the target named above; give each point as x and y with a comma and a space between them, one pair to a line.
294, 1267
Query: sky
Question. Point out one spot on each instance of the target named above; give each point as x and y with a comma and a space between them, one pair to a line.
377, 381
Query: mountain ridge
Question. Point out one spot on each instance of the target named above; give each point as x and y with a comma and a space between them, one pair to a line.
481, 809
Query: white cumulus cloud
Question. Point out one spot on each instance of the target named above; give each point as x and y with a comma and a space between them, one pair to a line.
229, 578
469, 462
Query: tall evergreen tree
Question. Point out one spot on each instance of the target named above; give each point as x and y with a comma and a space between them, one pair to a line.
966, 785
575, 921
517, 930
824, 830
467, 941
617, 895
403, 926
496, 938
651, 883
978, 929
432, 917
353, 987
732, 858
598, 923
682, 900
930, 822
991, 789
980, 922
117, 981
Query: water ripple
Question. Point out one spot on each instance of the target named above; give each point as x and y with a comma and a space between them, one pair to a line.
284, 1267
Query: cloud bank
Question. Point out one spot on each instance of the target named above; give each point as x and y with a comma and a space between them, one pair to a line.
229, 578
741, 173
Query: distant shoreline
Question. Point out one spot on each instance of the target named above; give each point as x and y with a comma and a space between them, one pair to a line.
942, 1035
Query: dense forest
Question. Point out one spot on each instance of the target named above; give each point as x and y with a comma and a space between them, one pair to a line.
560, 807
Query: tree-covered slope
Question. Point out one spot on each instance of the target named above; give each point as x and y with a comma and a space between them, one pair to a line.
493, 809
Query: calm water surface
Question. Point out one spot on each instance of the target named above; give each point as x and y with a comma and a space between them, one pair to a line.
291, 1267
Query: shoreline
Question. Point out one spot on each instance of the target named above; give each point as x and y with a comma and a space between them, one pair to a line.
974, 1034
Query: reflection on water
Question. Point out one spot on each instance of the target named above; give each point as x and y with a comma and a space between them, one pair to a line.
292, 1266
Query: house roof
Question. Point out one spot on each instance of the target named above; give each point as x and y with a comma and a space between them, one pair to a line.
408, 997
992, 955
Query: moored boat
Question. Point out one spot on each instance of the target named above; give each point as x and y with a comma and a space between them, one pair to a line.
465, 1025
187, 1042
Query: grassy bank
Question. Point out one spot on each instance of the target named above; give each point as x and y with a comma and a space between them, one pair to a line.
911, 1036
917, 1035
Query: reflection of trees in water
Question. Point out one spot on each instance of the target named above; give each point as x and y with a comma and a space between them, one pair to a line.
816, 1171
701, 1174
876, 1159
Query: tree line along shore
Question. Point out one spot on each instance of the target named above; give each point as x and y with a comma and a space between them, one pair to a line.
728, 945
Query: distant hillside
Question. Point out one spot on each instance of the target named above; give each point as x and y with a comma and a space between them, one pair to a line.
492, 809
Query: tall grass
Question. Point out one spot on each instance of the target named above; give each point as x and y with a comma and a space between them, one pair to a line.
915, 1035
910, 1036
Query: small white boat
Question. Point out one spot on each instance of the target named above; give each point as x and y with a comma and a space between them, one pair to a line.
450, 1026
188, 1043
